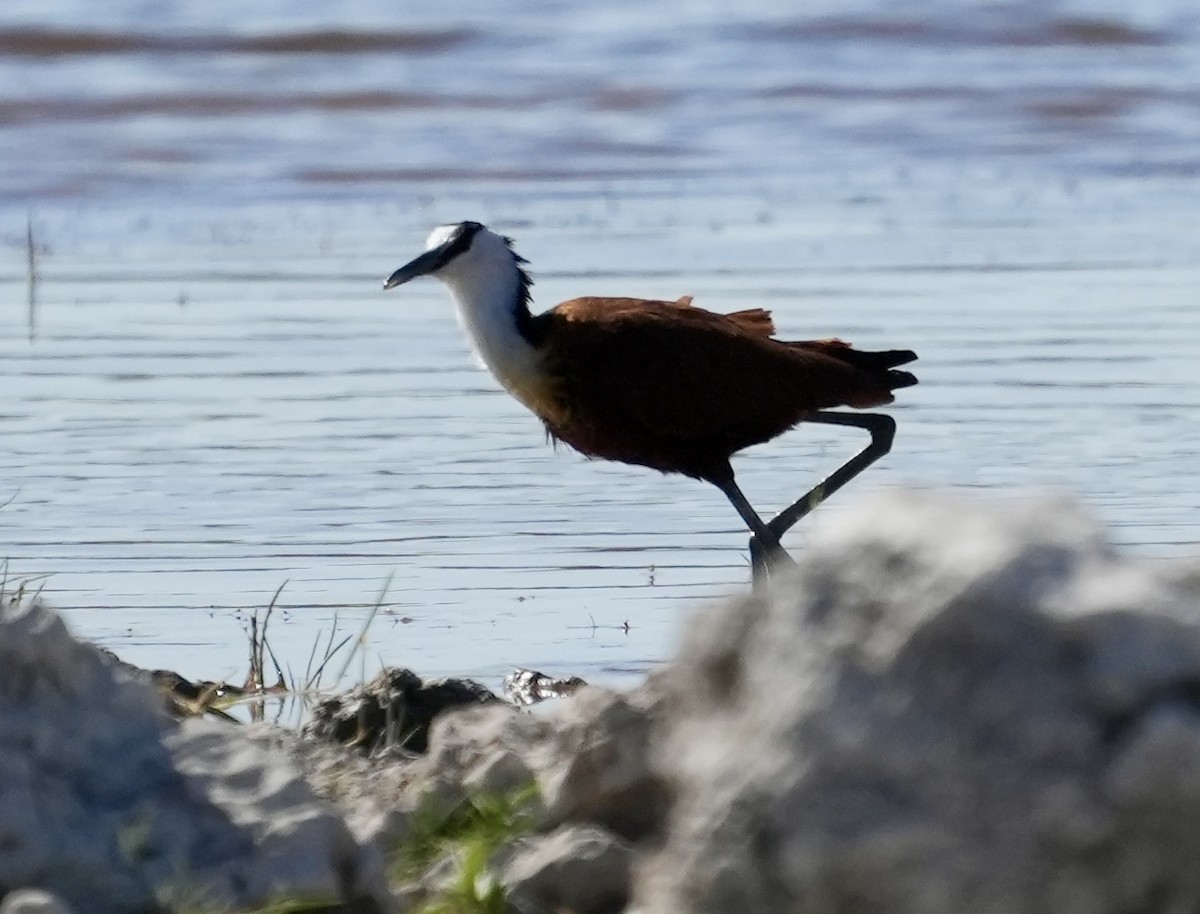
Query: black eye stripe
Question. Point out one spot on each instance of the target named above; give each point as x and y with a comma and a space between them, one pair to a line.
461, 240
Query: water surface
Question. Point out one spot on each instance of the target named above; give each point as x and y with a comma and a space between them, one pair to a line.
217, 399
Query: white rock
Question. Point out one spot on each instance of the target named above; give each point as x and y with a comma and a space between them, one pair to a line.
951, 707
594, 765
499, 771
113, 806
579, 868
589, 755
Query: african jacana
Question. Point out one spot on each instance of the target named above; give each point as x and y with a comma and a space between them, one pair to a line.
656, 383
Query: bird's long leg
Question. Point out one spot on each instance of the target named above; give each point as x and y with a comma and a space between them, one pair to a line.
765, 549
882, 429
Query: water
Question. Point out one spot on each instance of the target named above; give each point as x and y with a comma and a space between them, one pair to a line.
216, 398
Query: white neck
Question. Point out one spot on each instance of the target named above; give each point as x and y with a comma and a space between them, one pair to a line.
486, 285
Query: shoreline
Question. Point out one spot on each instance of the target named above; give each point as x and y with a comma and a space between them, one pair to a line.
996, 674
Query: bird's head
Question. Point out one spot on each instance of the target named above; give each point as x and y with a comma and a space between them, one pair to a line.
456, 251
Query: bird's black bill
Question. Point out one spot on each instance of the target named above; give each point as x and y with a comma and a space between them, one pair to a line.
418, 266
458, 242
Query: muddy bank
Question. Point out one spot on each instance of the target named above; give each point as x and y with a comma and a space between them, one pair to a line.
952, 706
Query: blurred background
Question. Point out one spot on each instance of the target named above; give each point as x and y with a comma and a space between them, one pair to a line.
205, 396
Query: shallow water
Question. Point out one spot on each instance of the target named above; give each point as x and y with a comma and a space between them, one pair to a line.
216, 399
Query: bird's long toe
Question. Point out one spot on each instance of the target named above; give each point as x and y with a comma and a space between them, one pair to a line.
766, 560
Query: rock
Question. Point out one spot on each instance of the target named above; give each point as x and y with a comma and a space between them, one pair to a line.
588, 753
579, 868
33, 901
115, 807
950, 707
500, 771
589, 756
593, 765
395, 709
461, 738
464, 746
372, 792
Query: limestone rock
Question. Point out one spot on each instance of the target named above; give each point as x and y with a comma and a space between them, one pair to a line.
589, 754
372, 792
594, 765
115, 807
579, 868
950, 707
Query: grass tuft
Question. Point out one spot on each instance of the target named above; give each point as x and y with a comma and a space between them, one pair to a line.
469, 835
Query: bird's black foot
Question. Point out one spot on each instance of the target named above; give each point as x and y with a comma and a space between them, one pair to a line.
767, 560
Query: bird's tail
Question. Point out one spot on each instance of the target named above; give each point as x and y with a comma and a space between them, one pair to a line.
898, 379
875, 362
887, 361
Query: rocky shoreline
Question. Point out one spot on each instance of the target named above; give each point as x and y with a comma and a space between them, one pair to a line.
951, 706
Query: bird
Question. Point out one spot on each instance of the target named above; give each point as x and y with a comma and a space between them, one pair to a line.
661, 384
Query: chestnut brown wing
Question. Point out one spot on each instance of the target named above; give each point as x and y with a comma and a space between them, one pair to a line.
687, 373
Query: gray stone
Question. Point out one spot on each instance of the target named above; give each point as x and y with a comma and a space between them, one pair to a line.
579, 868
385, 828
460, 738
33, 901
115, 807
594, 765
372, 792
950, 707
589, 754
499, 771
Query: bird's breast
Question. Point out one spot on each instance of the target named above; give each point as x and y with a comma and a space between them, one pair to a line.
540, 395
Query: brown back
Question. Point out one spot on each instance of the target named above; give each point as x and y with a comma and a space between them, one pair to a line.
680, 371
